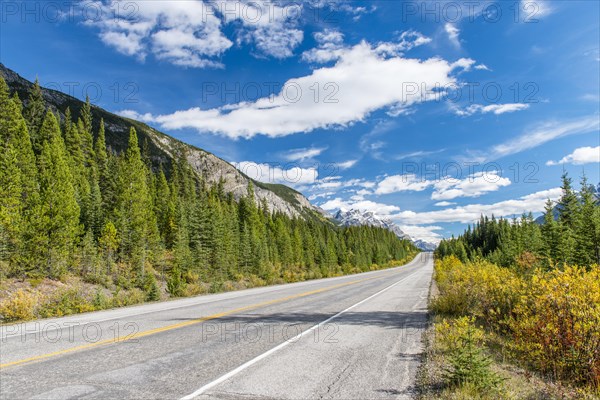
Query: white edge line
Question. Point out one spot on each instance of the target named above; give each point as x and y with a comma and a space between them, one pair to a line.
247, 364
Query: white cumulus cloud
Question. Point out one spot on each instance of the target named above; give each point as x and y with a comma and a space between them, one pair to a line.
363, 205
474, 185
289, 175
582, 155
361, 81
190, 33
402, 183
469, 213
424, 232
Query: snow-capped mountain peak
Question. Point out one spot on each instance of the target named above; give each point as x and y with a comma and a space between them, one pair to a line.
354, 217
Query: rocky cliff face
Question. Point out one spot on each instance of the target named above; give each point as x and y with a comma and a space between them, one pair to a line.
164, 148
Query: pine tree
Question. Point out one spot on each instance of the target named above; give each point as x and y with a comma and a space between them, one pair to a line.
86, 117
101, 153
135, 210
59, 211
20, 192
34, 114
109, 243
588, 241
11, 212
165, 207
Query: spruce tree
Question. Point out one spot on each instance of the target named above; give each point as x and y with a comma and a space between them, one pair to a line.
11, 210
101, 153
135, 209
59, 211
588, 240
34, 114
19, 181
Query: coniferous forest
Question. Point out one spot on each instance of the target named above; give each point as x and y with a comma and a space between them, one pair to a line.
568, 235
74, 210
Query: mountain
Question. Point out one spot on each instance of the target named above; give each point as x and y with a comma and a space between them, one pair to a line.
425, 246
162, 149
357, 218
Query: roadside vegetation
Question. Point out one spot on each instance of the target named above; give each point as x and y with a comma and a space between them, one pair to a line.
83, 227
517, 307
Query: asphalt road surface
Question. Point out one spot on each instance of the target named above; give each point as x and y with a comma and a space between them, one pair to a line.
352, 337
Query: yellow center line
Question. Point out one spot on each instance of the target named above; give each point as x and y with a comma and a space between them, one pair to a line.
181, 324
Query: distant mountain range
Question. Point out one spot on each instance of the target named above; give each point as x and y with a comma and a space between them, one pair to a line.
354, 217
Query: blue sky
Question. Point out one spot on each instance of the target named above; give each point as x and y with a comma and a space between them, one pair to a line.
426, 112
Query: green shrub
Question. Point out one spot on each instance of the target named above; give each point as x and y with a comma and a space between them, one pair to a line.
469, 365
65, 302
175, 283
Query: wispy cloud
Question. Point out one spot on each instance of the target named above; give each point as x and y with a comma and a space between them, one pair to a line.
535, 9
538, 135
417, 154
346, 164
444, 204
453, 33
545, 133
482, 67
496, 109
303, 154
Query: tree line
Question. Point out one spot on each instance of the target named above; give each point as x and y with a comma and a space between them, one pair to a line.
569, 234
72, 205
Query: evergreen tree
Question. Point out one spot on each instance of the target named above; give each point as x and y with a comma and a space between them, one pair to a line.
34, 113
588, 241
11, 210
59, 211
109, 243
135, 209
18, 153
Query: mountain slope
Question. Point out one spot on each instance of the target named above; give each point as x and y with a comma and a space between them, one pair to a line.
163, 149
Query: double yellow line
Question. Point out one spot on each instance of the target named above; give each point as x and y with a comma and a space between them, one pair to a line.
180, 324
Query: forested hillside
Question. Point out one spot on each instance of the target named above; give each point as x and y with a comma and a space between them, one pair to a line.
160, 150
73, 207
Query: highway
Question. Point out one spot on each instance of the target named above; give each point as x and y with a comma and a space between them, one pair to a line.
351, 337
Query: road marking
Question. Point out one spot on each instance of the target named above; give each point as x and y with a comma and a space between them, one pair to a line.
186, 323
247, 364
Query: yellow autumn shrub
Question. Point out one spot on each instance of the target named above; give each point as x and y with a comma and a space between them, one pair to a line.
19, 306
553, 316
557, 324
479, 289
